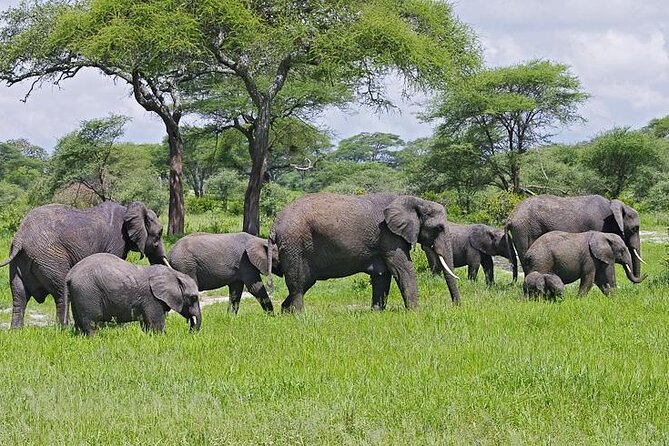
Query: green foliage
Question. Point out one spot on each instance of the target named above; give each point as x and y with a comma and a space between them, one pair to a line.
496, 207
368, 178
86, 155
451, 165
659, 127
228, 187
508, 110
617, 155
369, 147
199, 205
275, 197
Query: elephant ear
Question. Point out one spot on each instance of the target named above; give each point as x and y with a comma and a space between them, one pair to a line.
257, 254
401, 216
165, 286
617, 207
483, 240
600, 248
134, 222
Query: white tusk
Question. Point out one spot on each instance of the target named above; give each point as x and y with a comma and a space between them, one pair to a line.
627, 267
167, 264
194, 320
448, 270
638, 256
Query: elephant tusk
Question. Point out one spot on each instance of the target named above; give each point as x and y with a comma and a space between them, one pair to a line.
638, 256
167, 264
627, 267
194, 318
448, 270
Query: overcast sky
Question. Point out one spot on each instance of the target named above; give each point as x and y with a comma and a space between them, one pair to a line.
618, 48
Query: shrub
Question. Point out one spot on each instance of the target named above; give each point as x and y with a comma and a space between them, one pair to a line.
200, 205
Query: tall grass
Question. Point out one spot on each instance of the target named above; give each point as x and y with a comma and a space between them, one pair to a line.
495, 370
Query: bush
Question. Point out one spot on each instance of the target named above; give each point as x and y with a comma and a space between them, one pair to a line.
658, 197
274, 197
200, 205
496, 208
11, 215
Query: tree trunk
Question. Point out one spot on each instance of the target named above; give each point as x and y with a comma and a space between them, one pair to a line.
515, 177
175, 224
259, 150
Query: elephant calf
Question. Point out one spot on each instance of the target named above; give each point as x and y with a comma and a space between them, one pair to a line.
103, 288
235, 260
474, 246
588, 256
547, 285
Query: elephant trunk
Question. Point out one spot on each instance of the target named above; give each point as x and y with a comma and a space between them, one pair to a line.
194, 317
444, 251
634, 245
633, 277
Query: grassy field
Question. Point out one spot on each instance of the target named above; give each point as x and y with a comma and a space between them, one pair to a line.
495, 370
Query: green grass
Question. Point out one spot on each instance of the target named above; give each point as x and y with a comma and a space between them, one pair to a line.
495, 370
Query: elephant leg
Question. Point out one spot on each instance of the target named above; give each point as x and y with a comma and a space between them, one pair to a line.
488, 269
19, 296
399, 263
235, 289
255, 286
605, 279
473, 266
61, 309
298, 281
380, 290
586, 284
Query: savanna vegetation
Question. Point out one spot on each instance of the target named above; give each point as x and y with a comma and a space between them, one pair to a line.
253, 76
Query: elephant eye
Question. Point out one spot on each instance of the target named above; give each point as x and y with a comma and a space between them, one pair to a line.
440, 227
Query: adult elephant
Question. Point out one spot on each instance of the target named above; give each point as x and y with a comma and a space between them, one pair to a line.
235, 260
474, 246
589, 256
544, 213
53, 238
324, 235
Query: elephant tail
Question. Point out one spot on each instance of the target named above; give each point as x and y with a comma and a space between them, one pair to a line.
12, 254
511, 251
270, 250
66, 303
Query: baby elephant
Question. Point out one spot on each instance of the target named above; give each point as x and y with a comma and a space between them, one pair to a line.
235, 260
547, 285
103, 287
589, 256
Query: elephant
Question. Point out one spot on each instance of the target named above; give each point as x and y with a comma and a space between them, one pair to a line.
325, 235
52, 238
103, 287
548, 285
474, 246
589, 256
544, 213
235, 260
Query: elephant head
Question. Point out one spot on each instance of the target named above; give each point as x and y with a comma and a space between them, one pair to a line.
609, 248
627, 226
145, 232
178, 291
422, 221
492, 242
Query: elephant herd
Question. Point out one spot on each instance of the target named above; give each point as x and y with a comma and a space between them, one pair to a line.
77, 255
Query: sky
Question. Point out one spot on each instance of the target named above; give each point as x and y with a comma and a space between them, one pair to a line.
619, 49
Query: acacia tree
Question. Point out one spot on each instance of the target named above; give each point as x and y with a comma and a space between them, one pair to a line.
366, 147
287, 58
267, 51
507, 110
147, 45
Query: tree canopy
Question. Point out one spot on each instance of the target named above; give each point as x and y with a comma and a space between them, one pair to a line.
314, 52
509, 110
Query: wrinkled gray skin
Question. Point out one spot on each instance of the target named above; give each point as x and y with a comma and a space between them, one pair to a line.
544, 213
53, 238
537, 284
235, 260
322, 236
103, 287
588, 256
474, 246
